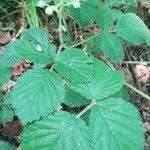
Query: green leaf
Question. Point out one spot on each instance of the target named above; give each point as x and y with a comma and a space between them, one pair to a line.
115, 125
37, 35
132, 29
41, 54
123, 93
116, 14
74, 65
132, 2
10, 57
62, 131
37, 92
111, 46
6, 114
113, 3
4, 145
86, 14
104, 18
105, 83
74, 99
5, 74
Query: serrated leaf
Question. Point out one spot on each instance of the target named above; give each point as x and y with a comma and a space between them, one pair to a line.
74, 99
37, 35
105, 83
37, 92
115, 125
132, 29
86, 14
5, 74
4, 145
62, 131
110, 45
10, 57
6, 114
74, 65
40, 54
104, 17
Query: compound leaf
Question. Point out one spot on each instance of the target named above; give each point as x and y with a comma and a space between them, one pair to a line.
60, 131
37, 92
115, 125
105, 83
4, 145
74, 65
10, 57
36, 35
132, 29
41, 54
74, 99
5, 74
111, 46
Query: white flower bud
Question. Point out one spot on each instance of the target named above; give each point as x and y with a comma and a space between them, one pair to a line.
76, 4
49, 10
41, 4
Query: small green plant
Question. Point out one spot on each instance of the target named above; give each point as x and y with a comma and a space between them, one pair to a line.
76, 78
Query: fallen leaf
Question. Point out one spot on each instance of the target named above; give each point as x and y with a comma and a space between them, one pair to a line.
142, 72
5, 37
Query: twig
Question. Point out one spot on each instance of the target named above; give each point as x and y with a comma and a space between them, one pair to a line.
136, 62
86, 40
137, 91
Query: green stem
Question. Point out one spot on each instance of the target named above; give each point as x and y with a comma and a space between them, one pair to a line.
136, 62
60, 25
92, 104
59, 50
137, 91
86, 40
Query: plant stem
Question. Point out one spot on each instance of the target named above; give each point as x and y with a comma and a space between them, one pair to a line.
136, 62
86, 40
60, 24
59, 50
92, 104
137, 91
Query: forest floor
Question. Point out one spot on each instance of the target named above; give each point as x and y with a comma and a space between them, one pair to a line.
10, 25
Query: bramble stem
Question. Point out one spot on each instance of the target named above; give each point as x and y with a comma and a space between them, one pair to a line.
137, 91
92, 104
60, 24
136, 62
86, 40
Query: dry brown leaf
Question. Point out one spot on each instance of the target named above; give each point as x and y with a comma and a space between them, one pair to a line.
142, 72
7, 87
5, 37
